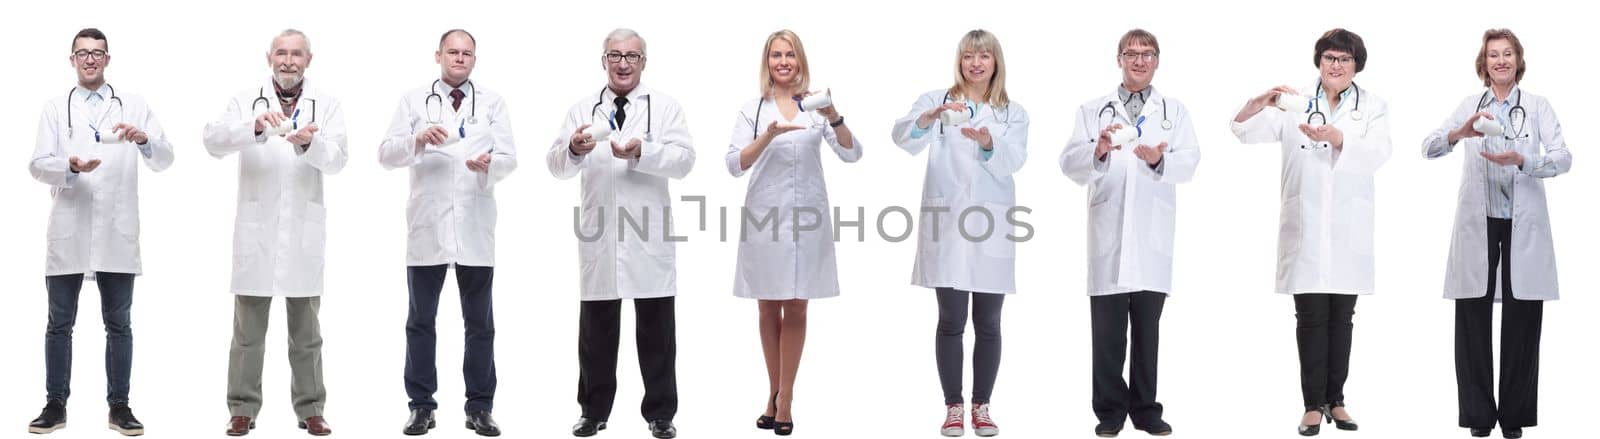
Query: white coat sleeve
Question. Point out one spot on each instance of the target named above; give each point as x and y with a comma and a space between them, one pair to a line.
1010, 145
744, 132
503, 152
399, 148
1183, 152
671, 155
1077, 159
562, 162
49, 164
231, 132
1365, 153
1437, 144
850, 155
1555, 160
905, 126
327, 151
1263, 127
161, 152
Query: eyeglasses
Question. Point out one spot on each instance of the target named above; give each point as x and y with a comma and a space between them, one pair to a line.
1131, 56
1341, 60
632, 58
84, 55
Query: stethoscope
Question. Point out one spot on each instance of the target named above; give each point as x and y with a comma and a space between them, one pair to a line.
755, 127
1517, 117
973, 112
294, 119
434, 98
649, 113
1110, 107
94, 126
1316, 117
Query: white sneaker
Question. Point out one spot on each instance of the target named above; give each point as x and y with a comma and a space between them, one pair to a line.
953, 422
981, 424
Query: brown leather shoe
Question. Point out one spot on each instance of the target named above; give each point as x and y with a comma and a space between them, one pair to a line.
316, 426
240, 425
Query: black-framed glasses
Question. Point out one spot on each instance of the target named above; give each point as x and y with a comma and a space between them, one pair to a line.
1341, 60
85, 55
631, 58
1132, 56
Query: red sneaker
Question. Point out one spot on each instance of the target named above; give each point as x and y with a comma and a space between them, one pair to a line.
981, 424
952, 421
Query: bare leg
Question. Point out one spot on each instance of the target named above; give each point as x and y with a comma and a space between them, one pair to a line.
792, 341
771, 313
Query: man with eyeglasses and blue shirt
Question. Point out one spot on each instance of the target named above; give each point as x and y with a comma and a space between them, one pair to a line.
91, 141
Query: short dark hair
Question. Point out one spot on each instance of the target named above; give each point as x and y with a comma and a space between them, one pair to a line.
1343, 41
461, 31
1140, 36
90, 33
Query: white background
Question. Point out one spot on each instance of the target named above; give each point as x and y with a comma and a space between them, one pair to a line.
1228, 354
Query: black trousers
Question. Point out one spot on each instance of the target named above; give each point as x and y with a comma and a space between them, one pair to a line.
1109, 317
1323, 326
477, 312
1520, 322
947, 344
655, 328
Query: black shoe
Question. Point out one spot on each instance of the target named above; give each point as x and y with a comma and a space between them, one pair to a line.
54, 417
765, 422
782, 428
122, 421
1511, 433
663, 429
1481, 432
420, 422
1108, 429
588, 427
482, 423
1316, 428
1346, 425
1155, 428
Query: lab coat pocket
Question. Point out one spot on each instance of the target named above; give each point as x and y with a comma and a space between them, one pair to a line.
126, 218
63, 223
1161, 238
487, 214
247, 239
313, 236
1359, 224
997, 245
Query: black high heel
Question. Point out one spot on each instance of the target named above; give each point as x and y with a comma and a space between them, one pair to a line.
782, 428
1327, 412
1312, 429
768, 422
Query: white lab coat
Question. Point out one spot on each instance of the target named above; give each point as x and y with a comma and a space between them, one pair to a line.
616, 261
958, 179
786, 179
450, 214
1533, 255
280, 225
1325, 230
1132, 207
94, 216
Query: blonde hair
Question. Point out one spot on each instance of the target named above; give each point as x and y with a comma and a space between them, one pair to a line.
802, 79
1483, 53
980, 40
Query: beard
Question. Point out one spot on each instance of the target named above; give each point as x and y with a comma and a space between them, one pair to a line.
288, 82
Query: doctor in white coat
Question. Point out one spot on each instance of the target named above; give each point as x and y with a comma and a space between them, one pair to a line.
970, 165
1132, 203
1501, 217
90, 145
627, 176
1331, 151
455, 137
280, 225
786, 230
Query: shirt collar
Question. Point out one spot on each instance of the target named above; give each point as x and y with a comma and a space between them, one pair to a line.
1125, 95
104, 91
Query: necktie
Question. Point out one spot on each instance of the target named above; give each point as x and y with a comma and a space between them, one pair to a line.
621, 115
455, 99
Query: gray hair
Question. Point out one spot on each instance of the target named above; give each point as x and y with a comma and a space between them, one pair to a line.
288, 32
622, 34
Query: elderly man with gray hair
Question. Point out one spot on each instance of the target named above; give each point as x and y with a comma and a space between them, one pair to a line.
626, 180
286, 144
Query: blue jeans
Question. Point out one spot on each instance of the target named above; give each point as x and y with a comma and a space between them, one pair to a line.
116, 299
